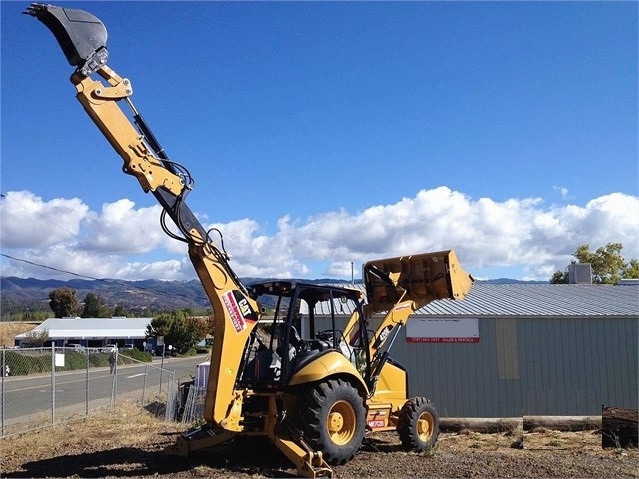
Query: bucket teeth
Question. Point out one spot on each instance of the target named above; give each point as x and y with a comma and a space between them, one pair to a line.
81, 35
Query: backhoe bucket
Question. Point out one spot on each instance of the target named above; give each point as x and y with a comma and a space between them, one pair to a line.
81, 36
421, 278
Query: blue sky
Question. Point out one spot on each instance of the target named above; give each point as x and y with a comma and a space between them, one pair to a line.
321, 134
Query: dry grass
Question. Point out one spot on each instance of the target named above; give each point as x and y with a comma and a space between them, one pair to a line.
538, 440
128, 442
126, 426
9, 330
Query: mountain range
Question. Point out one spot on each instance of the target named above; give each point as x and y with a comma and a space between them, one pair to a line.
20, 294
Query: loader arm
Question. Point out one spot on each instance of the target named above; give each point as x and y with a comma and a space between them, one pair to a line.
400, 286
82, 38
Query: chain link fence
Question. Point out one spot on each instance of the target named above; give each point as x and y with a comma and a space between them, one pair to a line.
193, 405
43, 386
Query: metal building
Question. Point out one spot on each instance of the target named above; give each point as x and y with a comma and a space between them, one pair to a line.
509, 350
92, 332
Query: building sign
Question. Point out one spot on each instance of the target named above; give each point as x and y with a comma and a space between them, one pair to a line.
59, 360
442, 330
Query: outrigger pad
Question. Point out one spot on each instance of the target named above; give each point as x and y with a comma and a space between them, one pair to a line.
81, 35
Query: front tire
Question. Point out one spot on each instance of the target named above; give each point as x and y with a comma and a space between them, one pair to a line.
418, 425
333, 420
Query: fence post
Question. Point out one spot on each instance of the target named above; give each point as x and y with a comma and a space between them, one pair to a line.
4, 363
114, 384
52, 383
146, 374
170, 398
86, 412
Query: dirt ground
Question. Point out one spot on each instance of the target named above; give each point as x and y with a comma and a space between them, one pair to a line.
129, 443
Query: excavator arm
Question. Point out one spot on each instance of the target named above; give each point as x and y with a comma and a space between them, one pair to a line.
82, 38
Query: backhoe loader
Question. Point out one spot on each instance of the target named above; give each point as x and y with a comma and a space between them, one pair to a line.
305, 365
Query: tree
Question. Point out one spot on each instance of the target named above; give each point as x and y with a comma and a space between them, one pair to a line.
608, 266
209, 323
179, 329
95, 307
63, 302
119, 310
35, 338
632, 270
559, 277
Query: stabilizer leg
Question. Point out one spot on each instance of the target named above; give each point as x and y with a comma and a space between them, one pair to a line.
309, 463
201, 438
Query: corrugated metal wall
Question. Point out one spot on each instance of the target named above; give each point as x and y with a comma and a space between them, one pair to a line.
528, 366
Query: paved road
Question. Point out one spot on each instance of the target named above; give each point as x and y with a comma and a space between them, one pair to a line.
30, 398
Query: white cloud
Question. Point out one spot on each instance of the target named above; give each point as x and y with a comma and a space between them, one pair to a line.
256, 255
121, 229
164, 270
563, 191
122, 241
26, 221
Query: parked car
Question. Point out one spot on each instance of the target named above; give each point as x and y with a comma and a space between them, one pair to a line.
127, 347
109, 348
158, 351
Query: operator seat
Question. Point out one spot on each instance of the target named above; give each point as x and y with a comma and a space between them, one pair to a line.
295, 339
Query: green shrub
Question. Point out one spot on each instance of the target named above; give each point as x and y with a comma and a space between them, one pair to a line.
143, 356
22, 364
74, 360
99, 360
19, 366
37, 364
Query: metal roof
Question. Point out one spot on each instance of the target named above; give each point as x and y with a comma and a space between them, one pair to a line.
551, 300
537, 300
119, 327
483, 300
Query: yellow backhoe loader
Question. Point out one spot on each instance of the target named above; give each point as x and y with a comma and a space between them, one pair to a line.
302, 364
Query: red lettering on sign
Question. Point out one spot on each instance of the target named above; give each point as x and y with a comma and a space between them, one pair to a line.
442, 340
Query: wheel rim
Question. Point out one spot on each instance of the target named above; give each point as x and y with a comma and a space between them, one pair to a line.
341, 422
425, 426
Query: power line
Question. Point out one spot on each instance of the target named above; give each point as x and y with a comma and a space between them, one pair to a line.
51, 268
109, 281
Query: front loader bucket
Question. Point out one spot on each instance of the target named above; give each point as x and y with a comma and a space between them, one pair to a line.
81, 36
421, 278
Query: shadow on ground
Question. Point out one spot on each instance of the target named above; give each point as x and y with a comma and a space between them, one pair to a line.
380, 444
261, 459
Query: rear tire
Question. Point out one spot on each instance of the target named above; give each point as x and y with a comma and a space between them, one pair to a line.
333, 420
418, 425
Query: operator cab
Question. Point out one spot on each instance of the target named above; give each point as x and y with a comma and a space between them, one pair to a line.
299, 322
